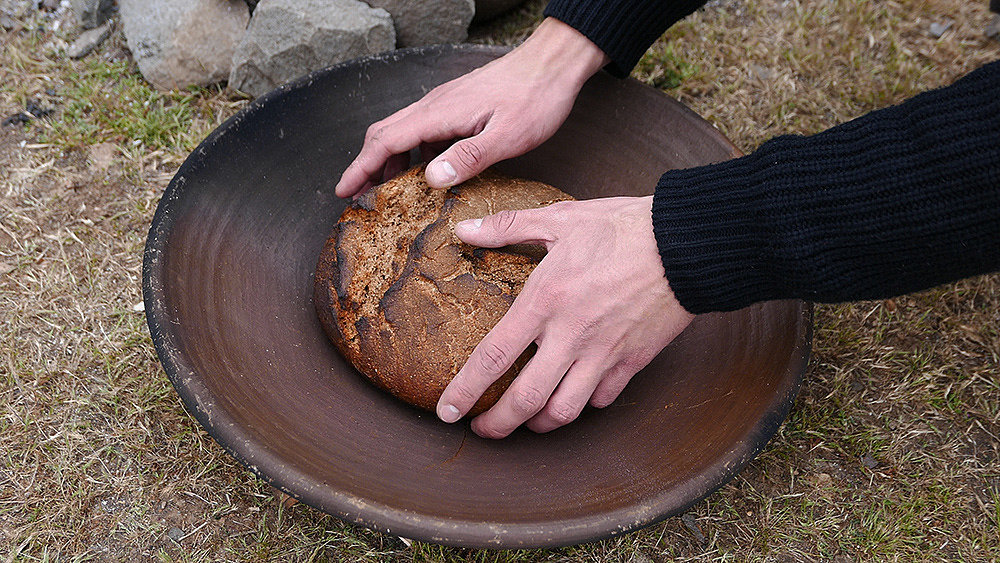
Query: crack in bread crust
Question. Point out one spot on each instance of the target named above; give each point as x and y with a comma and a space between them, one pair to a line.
404, 300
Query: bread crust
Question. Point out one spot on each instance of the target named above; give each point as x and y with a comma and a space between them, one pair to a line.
404, 300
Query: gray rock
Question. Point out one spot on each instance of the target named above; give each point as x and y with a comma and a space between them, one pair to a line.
938, 29
175, 534
179, 43
489, 9
993, 29
88, 41
288, 38
428, 22
762, 73
92, 13
691, 523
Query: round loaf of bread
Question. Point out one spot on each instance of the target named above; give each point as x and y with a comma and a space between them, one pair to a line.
404, 300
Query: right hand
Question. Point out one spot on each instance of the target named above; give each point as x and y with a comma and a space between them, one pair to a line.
499, 111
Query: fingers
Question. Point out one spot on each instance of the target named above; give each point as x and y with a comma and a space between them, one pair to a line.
469, 157
527, 395
511, 227
569, 398
491, 358
614, 383
395, 135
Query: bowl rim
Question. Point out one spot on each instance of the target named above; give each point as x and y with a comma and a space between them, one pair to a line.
199, 401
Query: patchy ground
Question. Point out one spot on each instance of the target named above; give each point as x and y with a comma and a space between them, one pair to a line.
890, 453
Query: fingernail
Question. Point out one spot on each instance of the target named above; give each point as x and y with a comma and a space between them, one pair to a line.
448, 413
444, 172
471, 224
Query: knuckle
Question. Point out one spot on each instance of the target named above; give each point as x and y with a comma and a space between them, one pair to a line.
376, 133
581, 328
493, 358
464, 394
528, 399
559, 213
563, 413
470, 153
554, 295
504, 222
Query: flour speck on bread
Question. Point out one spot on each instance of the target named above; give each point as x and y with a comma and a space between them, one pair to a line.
404, 300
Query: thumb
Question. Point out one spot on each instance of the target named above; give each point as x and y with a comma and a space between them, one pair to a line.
465, 159
507, 227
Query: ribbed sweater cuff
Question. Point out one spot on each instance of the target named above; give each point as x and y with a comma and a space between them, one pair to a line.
623, 29
901, 199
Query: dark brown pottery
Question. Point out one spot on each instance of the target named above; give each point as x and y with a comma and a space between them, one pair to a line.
227, 281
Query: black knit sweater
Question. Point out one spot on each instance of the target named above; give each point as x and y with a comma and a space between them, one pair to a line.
901, 199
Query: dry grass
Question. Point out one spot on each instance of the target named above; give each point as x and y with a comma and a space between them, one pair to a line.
891, 452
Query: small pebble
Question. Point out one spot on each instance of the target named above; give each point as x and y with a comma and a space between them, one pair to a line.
691, 524
869, 462
139, 307
16, 119
993, 29
175, 534
938, 28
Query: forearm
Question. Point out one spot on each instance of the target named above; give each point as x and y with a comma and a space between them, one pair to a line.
623, 29
901, 199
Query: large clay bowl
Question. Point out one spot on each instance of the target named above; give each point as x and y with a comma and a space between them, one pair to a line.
227, 280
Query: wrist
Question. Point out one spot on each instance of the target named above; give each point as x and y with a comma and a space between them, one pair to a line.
561, 53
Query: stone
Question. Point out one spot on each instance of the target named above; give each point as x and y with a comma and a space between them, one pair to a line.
762, 73
175, 534
993, 29
92, 13
180, 43
489, 9
289, 38
692, 525
938, 29
428, 22
88, 41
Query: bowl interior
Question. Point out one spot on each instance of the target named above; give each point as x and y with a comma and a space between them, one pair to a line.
228, 289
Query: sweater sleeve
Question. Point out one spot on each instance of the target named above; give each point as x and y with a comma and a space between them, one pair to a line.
901, 199
623, 29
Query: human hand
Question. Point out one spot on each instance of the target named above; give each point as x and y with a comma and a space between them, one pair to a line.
501, 110
598, 306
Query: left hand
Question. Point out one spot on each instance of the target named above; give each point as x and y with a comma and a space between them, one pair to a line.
598, 306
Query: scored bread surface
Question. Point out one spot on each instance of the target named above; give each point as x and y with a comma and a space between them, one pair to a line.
404, 300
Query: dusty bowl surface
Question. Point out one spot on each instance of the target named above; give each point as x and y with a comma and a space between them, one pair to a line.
227, 281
